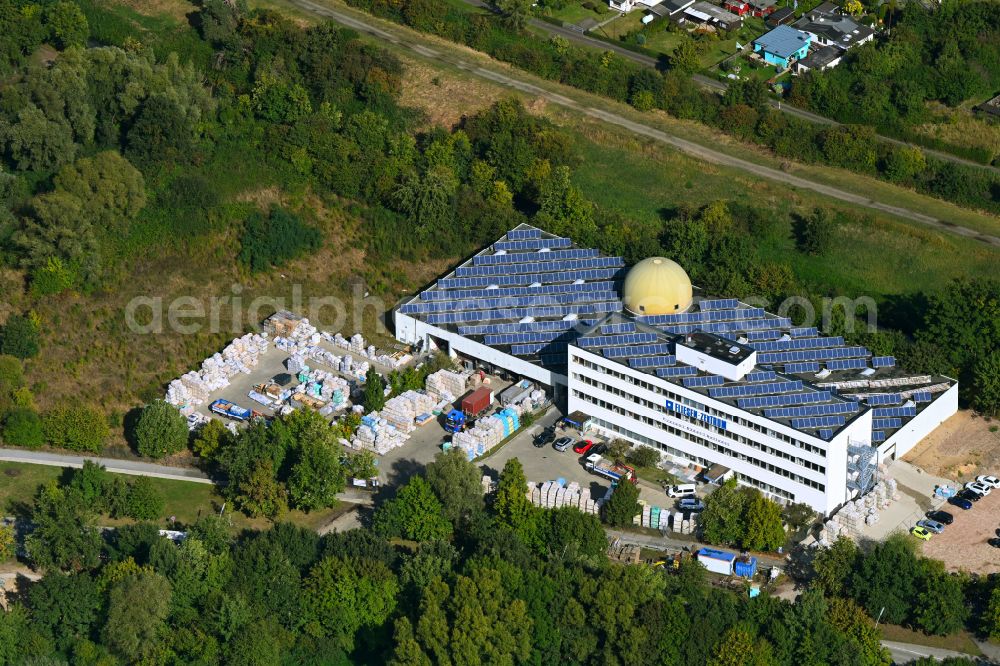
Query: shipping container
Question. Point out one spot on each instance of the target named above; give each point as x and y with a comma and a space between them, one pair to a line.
476, 402
717, 561
745, 566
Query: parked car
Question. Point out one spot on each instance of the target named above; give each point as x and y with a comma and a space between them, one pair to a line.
583, 446
682, 490
970, 495
932, 525
979, 488
690, 504
995, 542
991, 481
960, 502
562, 444
599, 448
921, 533
942, 517
543, 438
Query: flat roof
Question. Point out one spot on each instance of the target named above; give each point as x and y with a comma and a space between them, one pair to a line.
820, 58
716, 346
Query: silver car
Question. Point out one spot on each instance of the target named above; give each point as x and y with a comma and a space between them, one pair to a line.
562, 444
931, 525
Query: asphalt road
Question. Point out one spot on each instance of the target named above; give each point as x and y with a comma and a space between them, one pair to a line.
906, 652
134, 467
714, 84
365, 24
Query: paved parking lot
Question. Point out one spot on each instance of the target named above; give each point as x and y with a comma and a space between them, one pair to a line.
963, 544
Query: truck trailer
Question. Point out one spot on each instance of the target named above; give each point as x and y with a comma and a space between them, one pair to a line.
477, 402
717, 561
515, 393
610, 470
230, 410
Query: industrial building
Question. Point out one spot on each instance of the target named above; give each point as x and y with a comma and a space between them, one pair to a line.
707, 381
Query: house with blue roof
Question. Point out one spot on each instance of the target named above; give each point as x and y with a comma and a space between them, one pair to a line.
783, 46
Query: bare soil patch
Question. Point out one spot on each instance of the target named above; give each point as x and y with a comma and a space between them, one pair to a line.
960, 448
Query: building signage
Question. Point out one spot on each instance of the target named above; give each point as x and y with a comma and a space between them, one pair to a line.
689, 412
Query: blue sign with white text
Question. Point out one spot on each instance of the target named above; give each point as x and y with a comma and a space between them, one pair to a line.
690, 412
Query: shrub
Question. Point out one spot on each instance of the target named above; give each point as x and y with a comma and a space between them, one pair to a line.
23, 427
144, 500
19, 337
161, 430
75, 428
275, 239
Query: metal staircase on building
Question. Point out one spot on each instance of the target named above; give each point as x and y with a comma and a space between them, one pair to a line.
864, 466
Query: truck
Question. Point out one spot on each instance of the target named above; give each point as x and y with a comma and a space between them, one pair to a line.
231, 410
515, 393
454, 421
476, 402
610, 470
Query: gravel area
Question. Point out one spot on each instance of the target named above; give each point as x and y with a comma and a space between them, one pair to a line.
963, 544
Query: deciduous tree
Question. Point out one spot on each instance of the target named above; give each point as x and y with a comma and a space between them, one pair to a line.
623, 505
161, 430
457, 484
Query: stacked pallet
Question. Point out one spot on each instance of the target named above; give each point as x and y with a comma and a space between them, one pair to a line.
378, 435
487, 433
553, 495
445, 385
240, 356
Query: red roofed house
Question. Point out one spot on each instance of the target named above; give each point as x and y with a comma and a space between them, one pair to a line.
738, 7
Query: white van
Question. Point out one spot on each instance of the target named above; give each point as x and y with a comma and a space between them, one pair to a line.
683, 490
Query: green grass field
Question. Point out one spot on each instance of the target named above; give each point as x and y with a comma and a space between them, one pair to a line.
574, 12
184, 500
959, 642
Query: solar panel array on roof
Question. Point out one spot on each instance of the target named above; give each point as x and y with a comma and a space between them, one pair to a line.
718, 304
651, 361
825, 433
818, 422
807, 332
428, 307
760, 376
811, 355
797, 343
883, 361
922, 396
524, 234
532, 244
525, 327
676, 371
463, 294
755, 389
534, 348
610, 340
519, 257
847, 364
783, 399
887, 424
709, 380
539, 266
726, 326
524, 338
612, 329
521, 313
528, 278
884, 399
699, 317
881, 412
801, 368
635, 350
878, 436
811, 410
550, 360
769, 334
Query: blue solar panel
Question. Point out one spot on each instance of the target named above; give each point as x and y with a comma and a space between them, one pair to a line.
883, 361
755, 389
783, 399
609, 340
887, 424
710, 380
796, 368
676, 371
878, 436
847, 364
727, 326
611, 329
818, 422
718, 304
471, 316
894, 411
803, 332
539, 266
526, 327
922, 396
527, 278
532, 349
811, 410
462, 294
524, 338
769, 334
652, 361
429, 307
636, 350
520, 257
797, 343
811, 355
533, 244
825, 433
524, 234
885, 399
702, 317
761, 376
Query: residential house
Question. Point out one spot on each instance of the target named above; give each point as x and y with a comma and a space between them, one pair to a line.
762, 8
712, 15
738, 7
782, 46
625, 6
670, 8
780, 17
830, 27
820, 59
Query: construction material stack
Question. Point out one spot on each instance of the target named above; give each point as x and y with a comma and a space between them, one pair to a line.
553, 495
487, 433
240, 356
377, 435
446, 386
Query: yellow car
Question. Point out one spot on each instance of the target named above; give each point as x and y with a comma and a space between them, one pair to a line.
921, 533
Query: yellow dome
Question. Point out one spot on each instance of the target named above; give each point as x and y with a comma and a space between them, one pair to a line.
656, 286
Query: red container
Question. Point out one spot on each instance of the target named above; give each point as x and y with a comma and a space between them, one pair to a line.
476, 402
